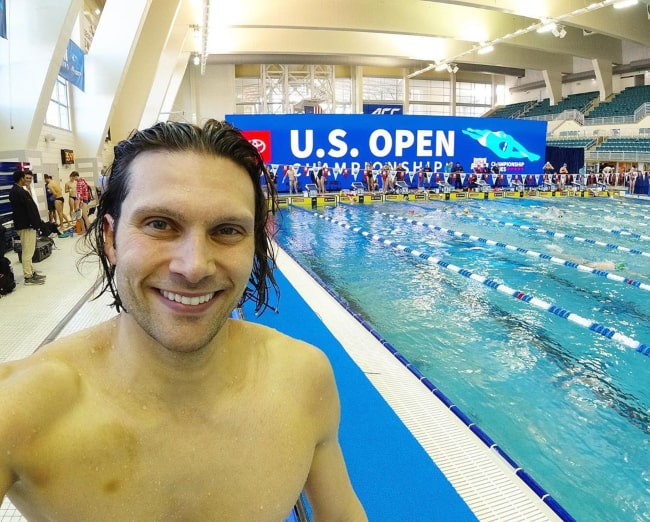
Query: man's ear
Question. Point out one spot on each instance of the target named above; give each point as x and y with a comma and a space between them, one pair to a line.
109, 238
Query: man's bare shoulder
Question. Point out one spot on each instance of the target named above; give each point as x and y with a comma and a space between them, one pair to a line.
38, 389
283, 348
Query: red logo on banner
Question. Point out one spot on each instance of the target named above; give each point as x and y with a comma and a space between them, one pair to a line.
261, 140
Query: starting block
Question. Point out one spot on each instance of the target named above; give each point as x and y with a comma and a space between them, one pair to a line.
401, 187
357, 188
311, 190
444, 186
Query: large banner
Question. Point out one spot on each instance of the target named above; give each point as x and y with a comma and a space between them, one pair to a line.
344, 143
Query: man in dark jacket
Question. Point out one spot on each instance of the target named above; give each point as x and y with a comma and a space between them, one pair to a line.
27, 221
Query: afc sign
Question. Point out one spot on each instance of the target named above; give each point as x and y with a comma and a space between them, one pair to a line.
383, 108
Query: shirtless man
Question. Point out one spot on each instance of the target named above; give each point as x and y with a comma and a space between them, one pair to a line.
293, 180
57, 195
70, 188
173, 411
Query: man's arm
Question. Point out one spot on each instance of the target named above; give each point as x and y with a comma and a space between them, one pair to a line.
32, 396
328, 488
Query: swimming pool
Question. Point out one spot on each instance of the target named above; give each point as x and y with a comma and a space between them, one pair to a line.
564, 399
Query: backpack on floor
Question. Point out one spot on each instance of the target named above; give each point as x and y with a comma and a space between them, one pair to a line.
7, 279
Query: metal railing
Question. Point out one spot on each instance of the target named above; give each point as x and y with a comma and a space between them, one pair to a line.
628, 156
569, 114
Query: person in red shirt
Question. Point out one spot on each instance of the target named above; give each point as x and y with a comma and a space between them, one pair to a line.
84, 197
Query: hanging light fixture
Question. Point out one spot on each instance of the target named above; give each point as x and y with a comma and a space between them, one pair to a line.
559, 31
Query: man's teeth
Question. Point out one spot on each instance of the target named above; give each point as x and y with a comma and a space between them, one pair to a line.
193, 301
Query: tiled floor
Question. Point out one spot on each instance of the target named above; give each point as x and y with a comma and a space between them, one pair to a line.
32, 315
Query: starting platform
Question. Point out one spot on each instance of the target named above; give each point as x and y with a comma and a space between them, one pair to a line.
314, 201
357, 194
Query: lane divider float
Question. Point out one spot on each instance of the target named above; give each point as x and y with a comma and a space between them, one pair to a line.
523, 251
588, 324
550, 233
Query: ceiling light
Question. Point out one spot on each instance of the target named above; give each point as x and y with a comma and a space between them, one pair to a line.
486, 49
196, 60
625, 3
441, 67
452, 68
559, 31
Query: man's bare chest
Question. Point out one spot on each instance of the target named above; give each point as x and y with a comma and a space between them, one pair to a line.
97, 464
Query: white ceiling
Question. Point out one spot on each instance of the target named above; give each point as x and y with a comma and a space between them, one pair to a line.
416, 33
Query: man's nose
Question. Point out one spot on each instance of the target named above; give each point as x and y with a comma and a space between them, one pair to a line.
195, 258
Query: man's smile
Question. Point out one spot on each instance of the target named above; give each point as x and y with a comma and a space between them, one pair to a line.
187, 300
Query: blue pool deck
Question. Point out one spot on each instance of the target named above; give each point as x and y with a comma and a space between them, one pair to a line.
409, 456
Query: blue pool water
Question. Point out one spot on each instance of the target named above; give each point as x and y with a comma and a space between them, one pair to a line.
569, 405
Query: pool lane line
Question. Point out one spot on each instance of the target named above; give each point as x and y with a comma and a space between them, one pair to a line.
633, 212
550, 233
598, 328
615, 231
523, 251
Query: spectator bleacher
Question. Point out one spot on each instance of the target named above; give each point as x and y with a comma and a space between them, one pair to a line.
509, 111
622, 104
542, 108
571, 143
579, 102
624, 144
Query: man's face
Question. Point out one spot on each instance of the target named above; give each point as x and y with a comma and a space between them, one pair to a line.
183, 247
28, 180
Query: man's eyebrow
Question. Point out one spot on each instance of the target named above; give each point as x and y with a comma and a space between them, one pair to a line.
180, 215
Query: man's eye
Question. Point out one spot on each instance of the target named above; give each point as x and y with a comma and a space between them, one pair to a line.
158, 224
229, 231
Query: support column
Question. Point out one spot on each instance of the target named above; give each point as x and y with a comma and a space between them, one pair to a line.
452, 89
107, 64
553, 80
357, 100
603, 70
405, 95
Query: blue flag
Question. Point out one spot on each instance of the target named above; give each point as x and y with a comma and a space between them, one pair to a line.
3, 19
72, 68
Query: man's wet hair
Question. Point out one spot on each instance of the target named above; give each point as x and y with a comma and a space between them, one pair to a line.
215, 138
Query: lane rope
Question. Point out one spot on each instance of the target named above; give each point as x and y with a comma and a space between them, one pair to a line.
614, 231
594, 326
550, 233
524, 251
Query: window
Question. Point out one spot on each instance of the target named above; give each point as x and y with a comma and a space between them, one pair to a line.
58, 110
383, 89
343, 96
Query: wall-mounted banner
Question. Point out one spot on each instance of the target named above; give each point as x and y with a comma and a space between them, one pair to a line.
72, 68
3, 19
383, 108
344, 143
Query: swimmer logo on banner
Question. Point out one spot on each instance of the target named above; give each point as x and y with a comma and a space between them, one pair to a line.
345, 142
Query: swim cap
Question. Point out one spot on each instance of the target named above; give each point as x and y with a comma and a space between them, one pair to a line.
620, 266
